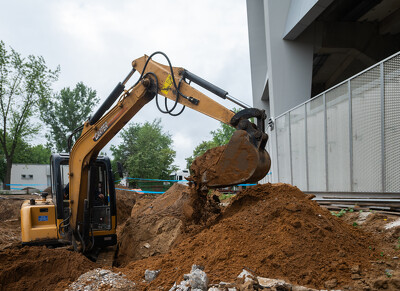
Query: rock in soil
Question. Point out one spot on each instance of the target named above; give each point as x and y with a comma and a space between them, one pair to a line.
102, 279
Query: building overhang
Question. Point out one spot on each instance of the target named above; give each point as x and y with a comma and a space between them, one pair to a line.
301, 14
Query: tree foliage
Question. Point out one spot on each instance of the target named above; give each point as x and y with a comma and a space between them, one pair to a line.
24, 84
145, 151
26, 154
65, 112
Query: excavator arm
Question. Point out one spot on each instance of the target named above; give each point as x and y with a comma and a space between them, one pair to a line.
244, 157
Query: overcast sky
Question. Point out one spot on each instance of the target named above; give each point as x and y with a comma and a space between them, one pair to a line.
95, 42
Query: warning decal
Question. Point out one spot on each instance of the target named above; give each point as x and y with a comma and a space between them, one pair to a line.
167, 85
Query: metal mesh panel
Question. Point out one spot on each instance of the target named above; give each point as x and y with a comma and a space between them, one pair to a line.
316, 145
283, 148
392, 124
298, 146
268, 177
337, 114
366, 131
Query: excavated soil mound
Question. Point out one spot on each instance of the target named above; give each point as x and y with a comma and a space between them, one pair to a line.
39, 268
10, 222
157, 224
125, 202
10, 206
276, 231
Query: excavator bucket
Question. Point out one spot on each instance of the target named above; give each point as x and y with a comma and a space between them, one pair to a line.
240, 161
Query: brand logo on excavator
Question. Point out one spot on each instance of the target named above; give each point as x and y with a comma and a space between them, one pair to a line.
107, 124
101, 131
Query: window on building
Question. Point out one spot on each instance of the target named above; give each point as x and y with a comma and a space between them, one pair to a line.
23, 176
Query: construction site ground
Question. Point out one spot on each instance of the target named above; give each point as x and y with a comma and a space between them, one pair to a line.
271, 230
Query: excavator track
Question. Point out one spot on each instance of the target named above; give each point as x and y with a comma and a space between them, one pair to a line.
106, 256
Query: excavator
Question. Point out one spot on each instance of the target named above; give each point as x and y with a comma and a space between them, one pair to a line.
73, 214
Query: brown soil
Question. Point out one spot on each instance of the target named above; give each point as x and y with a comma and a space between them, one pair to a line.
10, 233
125, 202
277, 232
155, 226
203, 164
274, 230
10, 222
39, 268
237, 162
10, 206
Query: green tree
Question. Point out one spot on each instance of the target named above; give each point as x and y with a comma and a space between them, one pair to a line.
24, 84
25, 154
65, 112
38, 154
145, 151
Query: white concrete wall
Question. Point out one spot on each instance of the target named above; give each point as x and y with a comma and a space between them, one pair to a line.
258, 54
36, 176
281, 69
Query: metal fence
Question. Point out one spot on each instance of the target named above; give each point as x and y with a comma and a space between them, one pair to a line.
347, 138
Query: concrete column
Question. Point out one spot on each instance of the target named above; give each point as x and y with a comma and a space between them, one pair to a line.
281, 69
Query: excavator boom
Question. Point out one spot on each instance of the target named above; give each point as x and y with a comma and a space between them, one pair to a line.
243, 160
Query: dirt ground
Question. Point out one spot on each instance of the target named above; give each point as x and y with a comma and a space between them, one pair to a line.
274, 230
10, 222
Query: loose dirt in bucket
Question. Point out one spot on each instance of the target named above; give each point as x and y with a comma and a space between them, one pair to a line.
239, 161
277, 232
205, 163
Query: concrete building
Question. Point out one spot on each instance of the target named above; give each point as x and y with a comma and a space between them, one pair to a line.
301, 49
30, 175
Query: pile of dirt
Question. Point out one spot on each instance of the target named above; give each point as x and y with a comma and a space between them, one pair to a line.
10, 221
276, 231
40, 268
10, 233
156, 225
125, 202
10, 206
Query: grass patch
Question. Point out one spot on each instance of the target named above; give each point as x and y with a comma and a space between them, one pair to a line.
226, 196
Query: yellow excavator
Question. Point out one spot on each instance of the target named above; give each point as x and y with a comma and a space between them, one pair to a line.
73, 213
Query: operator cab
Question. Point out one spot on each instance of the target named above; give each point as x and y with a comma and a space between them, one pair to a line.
100, 194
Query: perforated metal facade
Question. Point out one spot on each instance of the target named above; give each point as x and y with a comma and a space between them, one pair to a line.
282, 136
366, 131
298, 147
346, 139
337, 128
392, 124
316, 144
